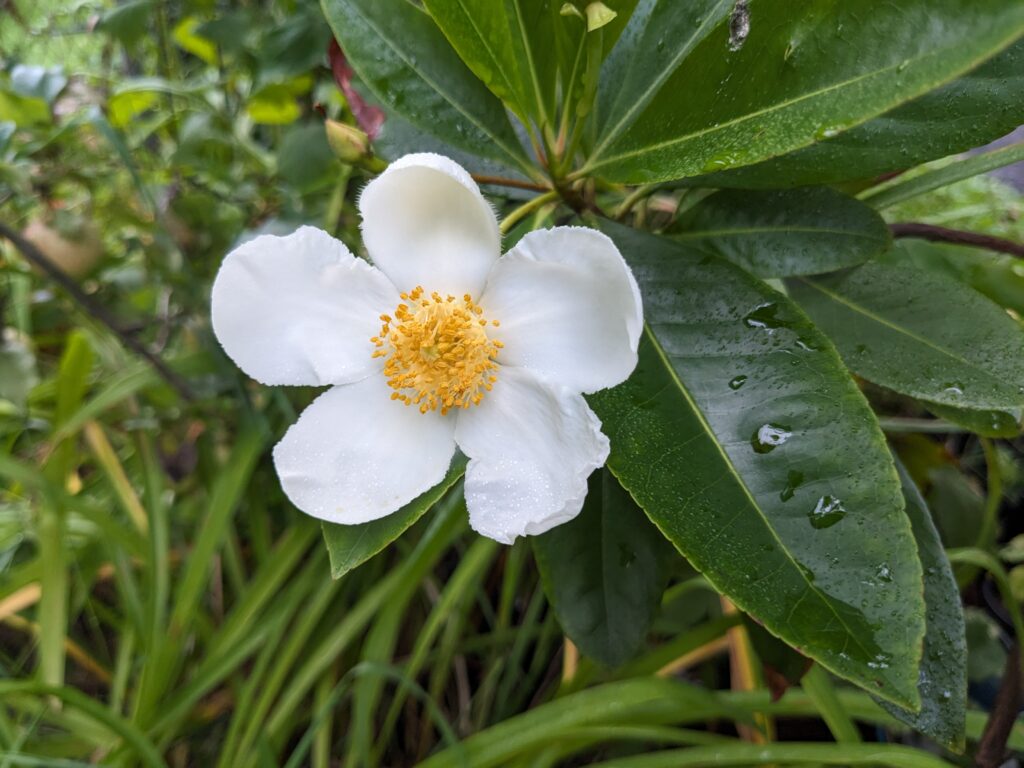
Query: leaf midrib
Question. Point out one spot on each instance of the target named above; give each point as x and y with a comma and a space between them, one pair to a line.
696, 234
808, 585
649, 93
862, 310
598, 162
444, 94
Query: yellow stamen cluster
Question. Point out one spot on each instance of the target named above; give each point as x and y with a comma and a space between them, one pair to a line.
438, 352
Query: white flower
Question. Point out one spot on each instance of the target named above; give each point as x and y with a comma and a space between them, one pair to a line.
442, 344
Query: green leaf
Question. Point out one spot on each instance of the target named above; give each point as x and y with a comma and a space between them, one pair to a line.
943, 683
25, 111
401, 55
744, 439
349, 546
128, 22
919, 333
273, 105
798, 77
785, 232
996, 275
984, 423
604, 572
187, 37
493, 38
970, 111
38, 82
305, 159
17, 371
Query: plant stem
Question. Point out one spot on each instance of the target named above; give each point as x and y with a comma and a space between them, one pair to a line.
945, 235
525, 209
501, 181
90, 305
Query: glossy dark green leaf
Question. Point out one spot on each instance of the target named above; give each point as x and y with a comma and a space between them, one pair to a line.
970, 111
996, 275
604, 572
492, 37
943, 682
745, 440
349, 546
796, 79
785, 232
401, 55
919, 333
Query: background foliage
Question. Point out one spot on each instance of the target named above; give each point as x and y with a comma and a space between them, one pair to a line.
824, 423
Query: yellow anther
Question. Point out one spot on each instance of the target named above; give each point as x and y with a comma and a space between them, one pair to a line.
438, 354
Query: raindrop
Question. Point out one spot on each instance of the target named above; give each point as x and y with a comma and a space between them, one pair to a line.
739, 25
720, 162
884, 573
766, 316
737, 382
953, 388
793, 481
827, 512
768, 437
828, 132
626, 556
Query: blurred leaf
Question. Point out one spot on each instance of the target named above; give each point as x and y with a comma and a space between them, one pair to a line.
1013, 551
128, 22
604, 572
7, 129
943, 683
403, 57
124, 107
972, 110
798, 78
24, 111
305, 160
957, 506
787, 232
17, 371
919, 333
349, 546
295, 46
186, 36
273, 105
743, 437
782, 666
986, 656
37, 82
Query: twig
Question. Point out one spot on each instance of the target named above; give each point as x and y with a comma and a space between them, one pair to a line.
992, 747
501, 181
960, 237
55, 273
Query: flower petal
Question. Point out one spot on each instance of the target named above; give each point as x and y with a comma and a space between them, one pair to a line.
569, 308
356, 455
531, 448
299, 309
426, 223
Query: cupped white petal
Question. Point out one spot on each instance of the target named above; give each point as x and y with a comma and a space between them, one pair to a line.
531, 448
569, 308
299, 309
356, 455
426, 223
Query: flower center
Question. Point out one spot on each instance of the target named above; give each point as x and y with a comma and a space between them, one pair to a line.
438, 352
